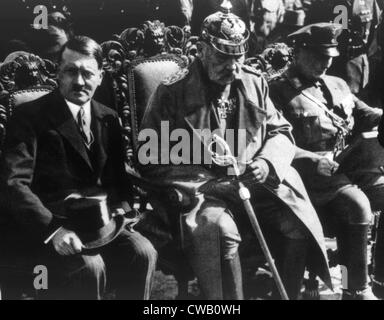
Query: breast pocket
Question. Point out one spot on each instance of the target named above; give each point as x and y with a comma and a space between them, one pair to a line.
307, 130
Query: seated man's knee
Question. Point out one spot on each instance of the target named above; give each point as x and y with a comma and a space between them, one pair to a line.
356, 205
132, 246
216, 222
290, 226
93, 266
145, 251
229, 234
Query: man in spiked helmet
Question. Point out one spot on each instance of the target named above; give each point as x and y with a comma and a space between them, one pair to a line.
219, 94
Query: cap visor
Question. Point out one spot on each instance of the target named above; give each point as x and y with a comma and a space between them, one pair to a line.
329, 52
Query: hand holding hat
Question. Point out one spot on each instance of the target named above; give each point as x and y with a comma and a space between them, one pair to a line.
89, 225
66, 242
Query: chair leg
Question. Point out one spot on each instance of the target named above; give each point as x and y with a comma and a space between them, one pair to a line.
311, 285
182, 283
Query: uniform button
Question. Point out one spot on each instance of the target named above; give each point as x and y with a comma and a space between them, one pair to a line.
254, 139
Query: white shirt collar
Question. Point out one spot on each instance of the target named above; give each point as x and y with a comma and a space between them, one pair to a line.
74, 108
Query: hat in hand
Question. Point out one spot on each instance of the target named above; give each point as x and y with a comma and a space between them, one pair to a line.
90, 218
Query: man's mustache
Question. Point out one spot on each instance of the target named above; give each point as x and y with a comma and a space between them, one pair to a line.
78, 88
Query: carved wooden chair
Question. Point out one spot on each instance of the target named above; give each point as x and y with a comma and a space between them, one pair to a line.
24, 79
137, 61
133, 76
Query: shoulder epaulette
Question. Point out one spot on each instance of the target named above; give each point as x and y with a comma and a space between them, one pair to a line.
176, 77
252, 70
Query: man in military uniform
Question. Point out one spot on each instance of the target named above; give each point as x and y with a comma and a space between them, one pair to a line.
323, 111
363, 17
218, 94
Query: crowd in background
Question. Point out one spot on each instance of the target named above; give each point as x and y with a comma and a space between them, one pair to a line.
270, 21
360, 63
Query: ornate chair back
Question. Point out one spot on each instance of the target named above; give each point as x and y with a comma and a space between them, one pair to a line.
144, 76
23, 79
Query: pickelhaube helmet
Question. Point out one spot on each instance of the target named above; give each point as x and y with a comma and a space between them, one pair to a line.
226, 32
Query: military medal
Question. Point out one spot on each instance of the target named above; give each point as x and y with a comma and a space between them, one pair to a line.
225, 107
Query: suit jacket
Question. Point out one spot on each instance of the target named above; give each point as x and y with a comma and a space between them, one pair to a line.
185, 104
45, 160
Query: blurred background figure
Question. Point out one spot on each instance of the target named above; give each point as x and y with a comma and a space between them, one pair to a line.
47, 43
272, 21
100, 19
265, 16
293, 21
16, 18
355, 41
293, 4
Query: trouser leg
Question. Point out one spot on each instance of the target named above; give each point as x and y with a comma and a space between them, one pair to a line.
291, 248
378, 258
353, 209
131, 264
232, 278
291, 265
357, 263
376, 196
214, 252
77, 277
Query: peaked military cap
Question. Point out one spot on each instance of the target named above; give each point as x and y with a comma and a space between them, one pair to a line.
226, 32
319, 37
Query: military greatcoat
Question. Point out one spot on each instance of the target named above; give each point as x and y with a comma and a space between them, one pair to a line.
185, 104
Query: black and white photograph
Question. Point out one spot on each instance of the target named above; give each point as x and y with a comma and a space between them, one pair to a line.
201, 152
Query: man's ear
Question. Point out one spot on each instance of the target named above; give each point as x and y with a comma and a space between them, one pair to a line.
101, 76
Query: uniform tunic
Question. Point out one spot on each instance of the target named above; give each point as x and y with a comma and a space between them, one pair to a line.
315, 131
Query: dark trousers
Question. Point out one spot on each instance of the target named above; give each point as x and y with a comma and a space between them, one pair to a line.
215, 237
125, 267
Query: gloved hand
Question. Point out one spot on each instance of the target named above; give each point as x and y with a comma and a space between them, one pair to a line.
326, 167
260, 169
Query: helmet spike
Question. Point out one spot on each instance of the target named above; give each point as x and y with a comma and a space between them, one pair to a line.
226, 6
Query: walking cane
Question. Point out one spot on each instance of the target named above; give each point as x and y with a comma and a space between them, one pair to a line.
229, 160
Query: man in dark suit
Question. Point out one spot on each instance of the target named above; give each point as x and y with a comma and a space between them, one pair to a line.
62, 143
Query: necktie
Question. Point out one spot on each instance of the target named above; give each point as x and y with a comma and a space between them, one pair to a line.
85, 132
